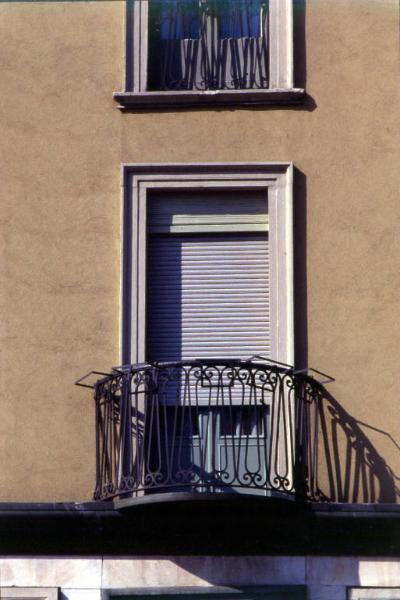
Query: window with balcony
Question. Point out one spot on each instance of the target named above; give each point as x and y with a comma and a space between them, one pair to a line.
199, 404
205, 399
208, 52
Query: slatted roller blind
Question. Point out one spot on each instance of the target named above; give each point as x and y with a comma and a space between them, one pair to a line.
208, 294
183, 212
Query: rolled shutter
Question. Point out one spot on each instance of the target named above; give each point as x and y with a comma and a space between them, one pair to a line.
211, 212
208, 296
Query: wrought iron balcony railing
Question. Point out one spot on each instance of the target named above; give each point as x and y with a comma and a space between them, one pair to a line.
206, 426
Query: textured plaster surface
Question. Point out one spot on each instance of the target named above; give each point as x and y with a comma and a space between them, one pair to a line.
59, 231
61, 146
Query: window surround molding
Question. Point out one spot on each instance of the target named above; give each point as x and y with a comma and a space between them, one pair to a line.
138, 180
264, 592
32, 593
373, 593
280, 90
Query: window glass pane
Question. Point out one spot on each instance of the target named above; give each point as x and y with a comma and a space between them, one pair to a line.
243, 420
175, 19
208, 44
240, 18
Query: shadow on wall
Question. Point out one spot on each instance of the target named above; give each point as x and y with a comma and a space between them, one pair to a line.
300, 268
343, 465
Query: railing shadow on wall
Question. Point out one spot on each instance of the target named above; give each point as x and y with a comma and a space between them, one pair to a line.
175, 427
349, 469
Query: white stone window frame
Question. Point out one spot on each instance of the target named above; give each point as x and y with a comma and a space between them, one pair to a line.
265, 592
140, 179
32, 593
373, 593
280, 90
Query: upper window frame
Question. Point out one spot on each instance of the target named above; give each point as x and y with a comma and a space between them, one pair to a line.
265, 592
31, 593
280, 91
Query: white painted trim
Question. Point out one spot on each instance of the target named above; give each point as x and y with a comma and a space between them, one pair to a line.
280, 45
373, 593
31, 593
138, 180
136, 44
270, 591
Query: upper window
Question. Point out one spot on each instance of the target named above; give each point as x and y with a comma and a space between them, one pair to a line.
208, 52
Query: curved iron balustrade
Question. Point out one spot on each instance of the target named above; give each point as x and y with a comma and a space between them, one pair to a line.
206, 426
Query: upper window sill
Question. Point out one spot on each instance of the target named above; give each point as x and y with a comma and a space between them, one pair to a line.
209, 98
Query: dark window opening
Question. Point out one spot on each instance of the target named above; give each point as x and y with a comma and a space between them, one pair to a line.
208, 44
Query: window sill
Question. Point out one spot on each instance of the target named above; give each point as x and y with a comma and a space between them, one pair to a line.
209, 99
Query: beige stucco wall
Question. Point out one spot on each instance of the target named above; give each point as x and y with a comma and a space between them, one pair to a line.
61, 145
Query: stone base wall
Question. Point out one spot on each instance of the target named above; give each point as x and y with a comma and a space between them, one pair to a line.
98, 578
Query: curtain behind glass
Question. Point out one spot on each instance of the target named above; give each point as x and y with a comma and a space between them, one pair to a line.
208, 44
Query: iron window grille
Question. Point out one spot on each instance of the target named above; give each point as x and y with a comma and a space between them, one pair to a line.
208, 44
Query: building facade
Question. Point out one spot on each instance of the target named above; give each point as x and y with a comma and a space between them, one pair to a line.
199, 204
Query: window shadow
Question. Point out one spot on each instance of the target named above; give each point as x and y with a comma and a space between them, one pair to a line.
299, 44
300, 269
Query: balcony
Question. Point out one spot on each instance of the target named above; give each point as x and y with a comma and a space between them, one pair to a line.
206, 427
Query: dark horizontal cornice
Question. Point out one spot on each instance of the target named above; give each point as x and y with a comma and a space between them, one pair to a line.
189, 525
